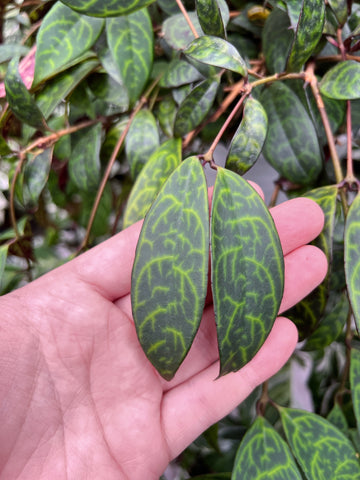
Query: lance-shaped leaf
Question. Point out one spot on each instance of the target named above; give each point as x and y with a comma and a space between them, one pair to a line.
195, 106
321, 450
308, 33
36, 173
352, 257
291, 144
84, 164
179, 72
3, 256
131, 41
64, 35
249, 138
107, 8
340, 8
141, 140
150, 180
166, 113
247, 269
277, 38
210, 18
342, 81
217, 52
176, 30
294, 9
337, 418
20, 100
355, 383
263, 450
169, 277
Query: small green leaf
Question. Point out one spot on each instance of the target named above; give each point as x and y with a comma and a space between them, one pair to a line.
322, 451
179, 72
36, 173
340, 8
337, 418
291, 145
277, 38
106, 88
131, 42
166, 113
263, 450
107, 8
20, 100
150, 180
308, 33
342, 81
3, 256
64, 35
141, 140
249, 138
355, 383
169, 278
84, 164
217, 52
176, 30
352, 257
195, 106
294, 8
210, 18
247, 270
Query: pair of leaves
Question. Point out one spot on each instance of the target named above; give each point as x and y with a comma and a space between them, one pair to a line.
169, 279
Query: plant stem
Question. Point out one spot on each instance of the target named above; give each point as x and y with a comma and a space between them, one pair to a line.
350, 177
264, 399
187, 18
276, 77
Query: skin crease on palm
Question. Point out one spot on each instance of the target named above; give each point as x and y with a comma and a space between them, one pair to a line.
79, 399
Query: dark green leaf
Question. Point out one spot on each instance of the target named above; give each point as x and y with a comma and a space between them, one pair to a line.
131, 41
106, 88
340, 8
291, 144
342, 81
36, 173
337, 418
141, 140
176, 30
100, 225
150, 180
247, 270
294, 8
322, 451
352, 257
355, 383
179, 72
217, 52
84, 164
277, 38
249, 138
111, 139
308, 33
210, 19
263, 450
196, 106
107, 8
3, 257
20, 100
166, 113
169, 278
64, 35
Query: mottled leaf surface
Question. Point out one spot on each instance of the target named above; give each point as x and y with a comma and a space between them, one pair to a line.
218, 52
195, 106
107, 8
63, 36
247, 269
340, 8
308, 33
131, 41
210, 18
263, 450
20, 100
277, 38
322, 451
342, 81
141, 140
179, 72
176, 30
150, 180
36, 173
169, 278
248, 141
352, 257
166, 114
337, 418
355, 383
291, 145
3, 256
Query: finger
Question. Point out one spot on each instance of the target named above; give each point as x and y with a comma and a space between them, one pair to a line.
190, 408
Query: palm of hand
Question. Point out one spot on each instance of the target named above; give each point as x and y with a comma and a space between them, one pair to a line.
84, 400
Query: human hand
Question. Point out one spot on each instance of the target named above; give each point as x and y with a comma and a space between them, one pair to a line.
78, 397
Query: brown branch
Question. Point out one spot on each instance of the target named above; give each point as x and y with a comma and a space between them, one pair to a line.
187, 18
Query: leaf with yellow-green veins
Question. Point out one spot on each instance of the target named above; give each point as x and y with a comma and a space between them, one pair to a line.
131, 42
210, 18
247, 270
195, 106
342, 81
352, 257
176, 30
249, 138
322, 451
150, 180
36, 173
355, 383
217, 52
277, 37
141, 140
179, 72
64, 35
169, 277
263, 450
107, 8
19, 98
166, 113
337, 417
340, 8
307, 34
3, 256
